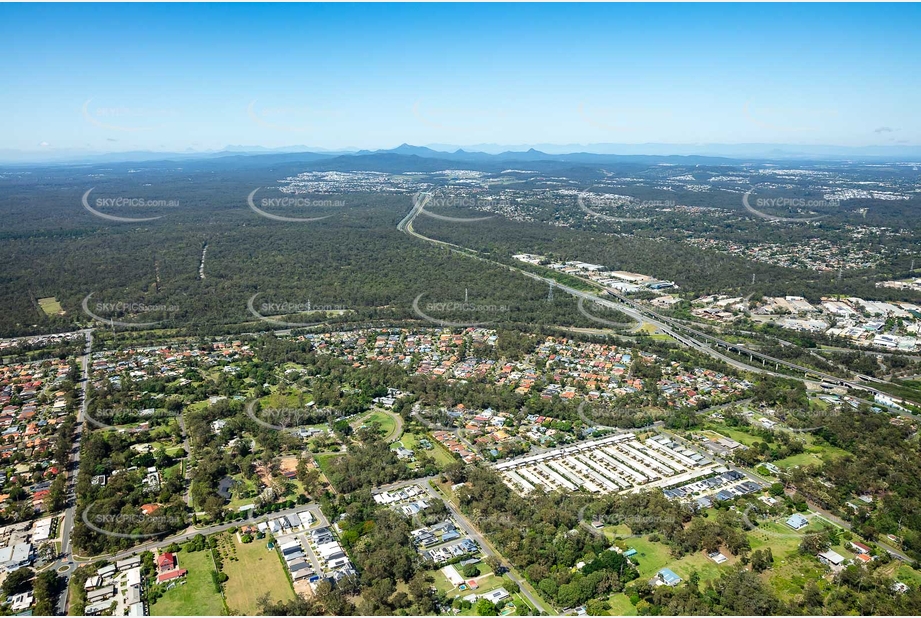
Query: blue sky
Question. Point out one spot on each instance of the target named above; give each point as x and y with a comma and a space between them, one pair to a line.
175, 77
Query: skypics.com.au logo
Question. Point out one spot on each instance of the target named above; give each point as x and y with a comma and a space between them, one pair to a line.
423, 199
141, 526
595, 523
609, 201
123, 118
125, 308
623, 119
289, 308
788, 203
456, 307
463, 119
111, 418
289, 418
124, 203
290, 202
290, 118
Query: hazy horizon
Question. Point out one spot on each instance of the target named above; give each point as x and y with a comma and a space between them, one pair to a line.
149, 78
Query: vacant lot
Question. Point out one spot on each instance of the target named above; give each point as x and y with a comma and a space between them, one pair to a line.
197, 596
814, 456
255, 572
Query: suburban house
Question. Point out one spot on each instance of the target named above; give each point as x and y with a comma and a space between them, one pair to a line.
168, 568
667, 577
797, 521
832, 558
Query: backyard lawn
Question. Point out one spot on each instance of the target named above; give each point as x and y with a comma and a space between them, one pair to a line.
197, 595
439, 453
621, 605
651, 557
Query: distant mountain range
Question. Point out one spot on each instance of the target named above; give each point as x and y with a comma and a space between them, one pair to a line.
713, 154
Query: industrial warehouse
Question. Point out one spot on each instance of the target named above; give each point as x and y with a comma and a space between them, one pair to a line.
612, 464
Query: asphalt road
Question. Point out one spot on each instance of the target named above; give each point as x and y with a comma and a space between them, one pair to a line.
639, 313
208, 530
486, 548
65, 564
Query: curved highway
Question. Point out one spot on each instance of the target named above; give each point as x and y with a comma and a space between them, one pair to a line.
682, 333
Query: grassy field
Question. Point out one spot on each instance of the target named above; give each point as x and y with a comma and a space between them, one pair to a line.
779, 537
718, 431
244, 486
325, 461
650, 557
50, 306
388, 424
255, 572
288, 398
908, 575
813, 456
801, 460
197, 596
791, 570
172, 471
439, 453
698, 561
790, 574
620, 605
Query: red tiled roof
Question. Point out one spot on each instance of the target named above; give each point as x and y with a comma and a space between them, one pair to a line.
165, 577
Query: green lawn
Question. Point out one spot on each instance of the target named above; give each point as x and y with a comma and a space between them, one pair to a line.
650, 557
782, 539
50, 306
698, 561
256, 571
801, 460
621, 605
908, 575
439, 453
172, 471
287, 399
735, 434
790, 574
197, 596
388, 423
813, 456
325, 461
486, 584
